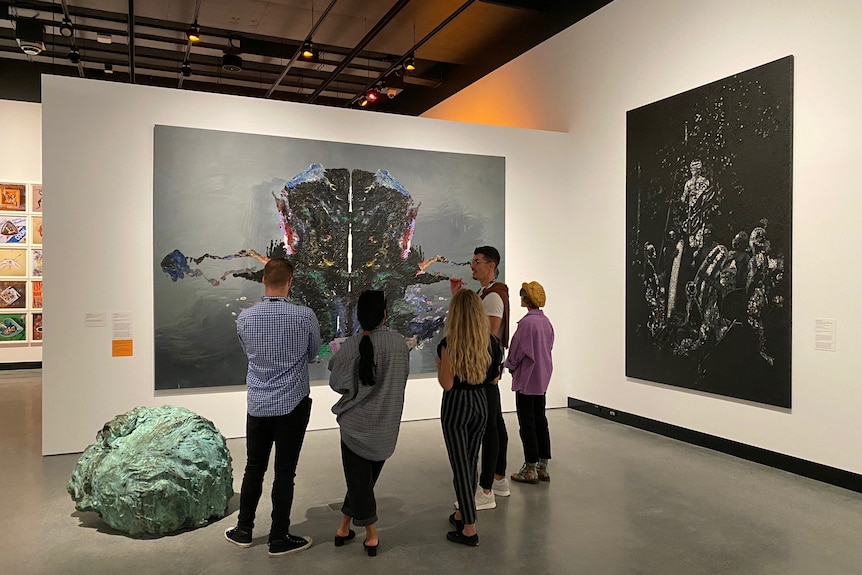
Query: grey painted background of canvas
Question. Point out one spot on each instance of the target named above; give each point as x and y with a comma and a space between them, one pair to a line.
212, 194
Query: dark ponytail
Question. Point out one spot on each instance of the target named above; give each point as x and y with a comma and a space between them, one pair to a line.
370, 311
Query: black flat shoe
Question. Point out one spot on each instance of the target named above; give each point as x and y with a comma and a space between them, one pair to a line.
371, 549
339, 540
459, 537
458, 524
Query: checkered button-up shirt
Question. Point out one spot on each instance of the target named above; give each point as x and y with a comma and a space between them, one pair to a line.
280, 339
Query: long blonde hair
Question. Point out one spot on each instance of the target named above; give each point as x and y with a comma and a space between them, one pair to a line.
468, 336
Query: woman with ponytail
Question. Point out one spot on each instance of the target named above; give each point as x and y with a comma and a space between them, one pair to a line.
369, 371
468, 358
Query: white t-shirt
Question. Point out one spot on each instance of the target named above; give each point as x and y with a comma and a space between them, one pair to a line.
493, 304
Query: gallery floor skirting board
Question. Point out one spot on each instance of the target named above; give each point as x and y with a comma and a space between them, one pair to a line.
22, 365
805, 468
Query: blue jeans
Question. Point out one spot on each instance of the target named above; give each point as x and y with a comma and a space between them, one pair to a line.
287, 433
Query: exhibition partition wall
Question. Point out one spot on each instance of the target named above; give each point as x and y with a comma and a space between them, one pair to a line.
634, 53
98, 155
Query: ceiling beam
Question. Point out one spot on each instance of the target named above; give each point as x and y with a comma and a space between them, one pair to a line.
188, 47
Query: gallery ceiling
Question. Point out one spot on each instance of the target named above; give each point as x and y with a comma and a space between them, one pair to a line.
253, 47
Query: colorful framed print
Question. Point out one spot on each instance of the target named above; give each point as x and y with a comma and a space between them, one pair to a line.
13, 327
13, 262
37, 263
36, 325
36, 230
13, 295
13, 197
36, 290
13, 230
36, 198
350, 217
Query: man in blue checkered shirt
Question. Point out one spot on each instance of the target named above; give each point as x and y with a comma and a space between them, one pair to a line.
280, 338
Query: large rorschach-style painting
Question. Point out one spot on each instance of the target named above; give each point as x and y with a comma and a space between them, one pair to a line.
708, 215
350, 218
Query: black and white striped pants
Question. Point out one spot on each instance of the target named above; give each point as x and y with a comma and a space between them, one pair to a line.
464, 415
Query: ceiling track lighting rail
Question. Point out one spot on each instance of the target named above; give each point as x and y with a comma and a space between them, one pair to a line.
410, 53
68, 31
299, 50
185, 68
132, 41
375, 30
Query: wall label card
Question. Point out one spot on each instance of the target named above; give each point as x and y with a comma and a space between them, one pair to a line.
824, 334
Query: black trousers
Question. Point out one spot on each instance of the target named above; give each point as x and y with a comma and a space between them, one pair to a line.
495, 443
463, 415
533, 427
287, 433
361, 476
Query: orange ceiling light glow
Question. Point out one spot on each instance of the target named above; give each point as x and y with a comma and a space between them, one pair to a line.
194, 33
308, 51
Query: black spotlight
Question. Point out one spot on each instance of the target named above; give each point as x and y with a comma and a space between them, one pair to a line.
231, 62
66, 30
186, 70
194, 33
410, 63
74, 56
309, 52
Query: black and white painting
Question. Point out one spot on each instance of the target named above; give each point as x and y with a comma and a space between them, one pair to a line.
350, 217
708, 251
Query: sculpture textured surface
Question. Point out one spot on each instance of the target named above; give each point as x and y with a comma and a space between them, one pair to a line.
155, 470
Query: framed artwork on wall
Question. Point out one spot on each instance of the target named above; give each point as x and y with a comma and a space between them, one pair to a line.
13, 262
37, 263
13, 327
350, 217
37, 198
13, 229
36, 290
19, 292
13, 295
708, 250
13, 197
36, 230
36, 324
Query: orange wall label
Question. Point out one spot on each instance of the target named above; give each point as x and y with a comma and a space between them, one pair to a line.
121, 348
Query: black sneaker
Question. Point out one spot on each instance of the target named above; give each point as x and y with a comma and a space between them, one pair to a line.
459, 537
238, 536
288, 544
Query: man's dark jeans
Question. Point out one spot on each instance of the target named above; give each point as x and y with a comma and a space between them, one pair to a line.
287, 433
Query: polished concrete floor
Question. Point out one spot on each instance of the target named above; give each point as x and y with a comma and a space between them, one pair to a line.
621, 501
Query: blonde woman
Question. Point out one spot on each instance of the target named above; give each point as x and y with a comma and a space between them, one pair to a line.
468, 358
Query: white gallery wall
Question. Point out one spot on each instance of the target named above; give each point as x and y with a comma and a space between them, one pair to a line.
20, 163
98, 164
635, 52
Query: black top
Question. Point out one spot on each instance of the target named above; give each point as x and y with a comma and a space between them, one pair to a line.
494, 370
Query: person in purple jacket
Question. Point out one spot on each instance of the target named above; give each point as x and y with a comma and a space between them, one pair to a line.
531, 365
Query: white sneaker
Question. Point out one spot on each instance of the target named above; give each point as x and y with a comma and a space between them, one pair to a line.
483, 500
501, 487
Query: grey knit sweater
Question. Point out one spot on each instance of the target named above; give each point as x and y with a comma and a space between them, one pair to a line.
370, 416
